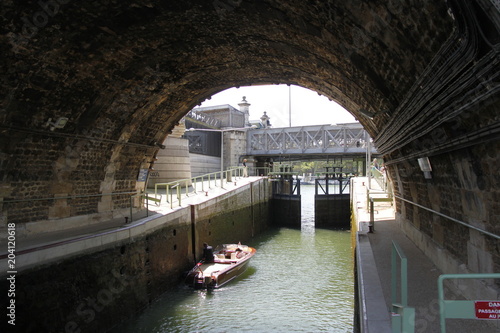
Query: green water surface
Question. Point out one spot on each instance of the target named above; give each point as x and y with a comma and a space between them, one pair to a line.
299, 281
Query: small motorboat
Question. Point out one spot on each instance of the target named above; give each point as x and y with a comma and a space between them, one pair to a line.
219, 266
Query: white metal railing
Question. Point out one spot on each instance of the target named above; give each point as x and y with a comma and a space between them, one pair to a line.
175, 190
380, 177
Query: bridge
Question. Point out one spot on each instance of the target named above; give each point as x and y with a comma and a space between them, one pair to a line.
314, 141
339, 142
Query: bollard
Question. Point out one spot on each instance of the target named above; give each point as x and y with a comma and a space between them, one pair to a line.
371, 225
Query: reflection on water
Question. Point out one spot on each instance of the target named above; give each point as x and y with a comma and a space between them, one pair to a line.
299, 281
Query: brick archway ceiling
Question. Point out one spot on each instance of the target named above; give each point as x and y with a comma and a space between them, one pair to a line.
129, 70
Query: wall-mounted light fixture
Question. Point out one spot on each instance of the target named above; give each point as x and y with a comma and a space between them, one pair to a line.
367, 113
425, 166
59, 123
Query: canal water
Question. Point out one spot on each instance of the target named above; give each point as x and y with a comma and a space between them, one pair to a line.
298, 281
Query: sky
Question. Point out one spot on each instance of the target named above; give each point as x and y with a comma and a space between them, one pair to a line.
307, 107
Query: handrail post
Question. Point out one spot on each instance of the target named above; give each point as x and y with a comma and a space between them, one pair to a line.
179, 195
397, 251
403, 317
171, 200
394, 285
371, 224
442, 317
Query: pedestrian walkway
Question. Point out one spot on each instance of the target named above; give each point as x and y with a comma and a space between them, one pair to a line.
422, 273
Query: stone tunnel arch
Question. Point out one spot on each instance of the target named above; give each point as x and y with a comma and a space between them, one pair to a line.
421, 76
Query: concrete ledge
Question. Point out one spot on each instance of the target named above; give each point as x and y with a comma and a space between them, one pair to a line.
29, 229
373, 313
49, 253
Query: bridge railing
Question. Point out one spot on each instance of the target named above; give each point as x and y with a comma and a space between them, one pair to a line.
204, 118
323, 139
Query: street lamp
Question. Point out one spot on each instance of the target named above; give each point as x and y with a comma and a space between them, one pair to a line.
221, 140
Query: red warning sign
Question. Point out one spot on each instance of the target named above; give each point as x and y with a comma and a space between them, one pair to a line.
487, 309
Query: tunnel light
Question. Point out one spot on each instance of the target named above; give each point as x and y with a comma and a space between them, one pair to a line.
425, 166
367, 113
59, 123
371, 115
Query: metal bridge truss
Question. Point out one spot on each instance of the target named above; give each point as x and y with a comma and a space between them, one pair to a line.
318, 139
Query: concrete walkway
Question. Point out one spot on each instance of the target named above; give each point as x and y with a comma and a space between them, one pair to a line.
422, 273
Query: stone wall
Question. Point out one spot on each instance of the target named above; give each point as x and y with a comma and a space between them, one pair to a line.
464, 188
235, 147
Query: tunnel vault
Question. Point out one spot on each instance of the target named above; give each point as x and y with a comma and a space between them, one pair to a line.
421, 76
